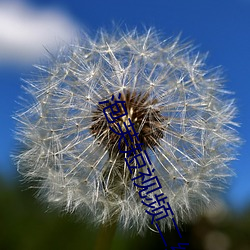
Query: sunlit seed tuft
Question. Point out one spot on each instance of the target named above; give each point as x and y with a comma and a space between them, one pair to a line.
184, 117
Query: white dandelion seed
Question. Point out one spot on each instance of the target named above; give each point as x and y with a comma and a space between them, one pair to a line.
182, 114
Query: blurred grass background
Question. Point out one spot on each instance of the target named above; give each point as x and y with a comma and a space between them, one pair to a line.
26, 225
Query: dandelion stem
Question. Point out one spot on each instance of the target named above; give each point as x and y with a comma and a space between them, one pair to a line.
105, 236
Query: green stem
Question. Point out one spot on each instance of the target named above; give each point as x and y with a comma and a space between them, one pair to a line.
105, 236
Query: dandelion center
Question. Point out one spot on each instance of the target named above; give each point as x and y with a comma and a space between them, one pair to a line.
142, 111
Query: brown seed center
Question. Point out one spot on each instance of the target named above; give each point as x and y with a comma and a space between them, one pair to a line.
143, 120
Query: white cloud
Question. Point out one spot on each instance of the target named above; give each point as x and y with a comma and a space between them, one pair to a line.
25, 31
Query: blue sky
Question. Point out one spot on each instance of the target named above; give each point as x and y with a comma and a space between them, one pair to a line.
221, 27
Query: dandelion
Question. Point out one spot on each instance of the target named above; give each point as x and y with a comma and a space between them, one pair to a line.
184, 117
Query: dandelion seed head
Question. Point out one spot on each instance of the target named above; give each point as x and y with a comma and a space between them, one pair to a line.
184, 117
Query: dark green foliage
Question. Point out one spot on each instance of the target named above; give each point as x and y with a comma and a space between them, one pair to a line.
24, 225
